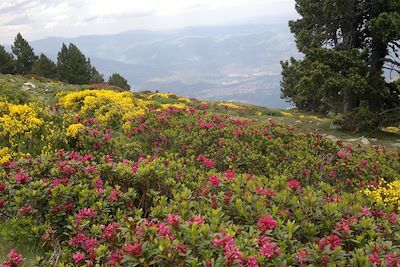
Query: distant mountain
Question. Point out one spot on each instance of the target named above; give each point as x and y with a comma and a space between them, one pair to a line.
239, 63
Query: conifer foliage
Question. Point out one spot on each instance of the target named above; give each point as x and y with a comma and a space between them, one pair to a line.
347, 45
117, 80
25, 57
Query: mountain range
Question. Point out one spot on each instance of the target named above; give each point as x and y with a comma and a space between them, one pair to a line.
230, 63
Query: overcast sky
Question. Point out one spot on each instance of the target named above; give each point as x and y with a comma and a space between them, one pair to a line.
37, 19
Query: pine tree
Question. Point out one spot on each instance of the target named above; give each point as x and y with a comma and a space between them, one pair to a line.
7, 63
25, 57
95, 76
45, 67
117, 80
347, 44
72, 66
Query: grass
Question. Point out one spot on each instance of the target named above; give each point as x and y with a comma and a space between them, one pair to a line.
29, 250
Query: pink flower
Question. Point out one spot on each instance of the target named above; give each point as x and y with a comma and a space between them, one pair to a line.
366, 212
133, 249
2, 187
392, 260
78, 257
265, 192
303, 257
181, 248
268, 249
214, 180
25, 209
14, 259
114, 195
115, 258
109, 231
230, 175
332, 173
332, 241
1, 203
163, 230
196, 220
78, 240
252, 261
90, 169
342, 154
173, 220
85, 213
374, 259
22, 178
343, 227
293, 184
266, 223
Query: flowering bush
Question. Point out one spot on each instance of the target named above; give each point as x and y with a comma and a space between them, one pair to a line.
180, 185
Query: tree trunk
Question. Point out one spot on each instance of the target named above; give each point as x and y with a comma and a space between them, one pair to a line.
348, 101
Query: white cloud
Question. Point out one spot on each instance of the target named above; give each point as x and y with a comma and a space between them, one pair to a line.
41, 18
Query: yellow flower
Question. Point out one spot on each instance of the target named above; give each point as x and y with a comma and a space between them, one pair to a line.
230, 105
17, 119
5, 154
74, 129
388, 194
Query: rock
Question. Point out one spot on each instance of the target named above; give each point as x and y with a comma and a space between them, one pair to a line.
373, 139
12, 80
298, 121
352, 140
335, 127
28, 86
365, 141
396, 145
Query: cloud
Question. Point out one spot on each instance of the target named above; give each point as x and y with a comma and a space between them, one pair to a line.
21, 20
118, 16
37, 19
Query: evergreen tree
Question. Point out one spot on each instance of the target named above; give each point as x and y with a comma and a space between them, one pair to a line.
45, 67
7, 63
117, 80
347, 44
25, 58
72, 66
95, 76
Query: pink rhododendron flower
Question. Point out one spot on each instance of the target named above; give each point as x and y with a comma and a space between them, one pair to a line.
332, 241
196, 220
252, 261
294, 184
22, 178
267, 248
303, 257
13, 259
181, 248
25, 209
163, 230
173, 220
133, 250
78, 257
374, 259
230, 175
214, 180
266, 223
115, 259
2, 187
109, 231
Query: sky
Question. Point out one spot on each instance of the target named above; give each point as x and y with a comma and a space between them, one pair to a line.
37, 19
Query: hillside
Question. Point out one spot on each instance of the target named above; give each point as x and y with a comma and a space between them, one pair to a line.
91, 175
238, 63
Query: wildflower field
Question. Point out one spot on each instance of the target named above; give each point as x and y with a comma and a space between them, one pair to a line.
97, 177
